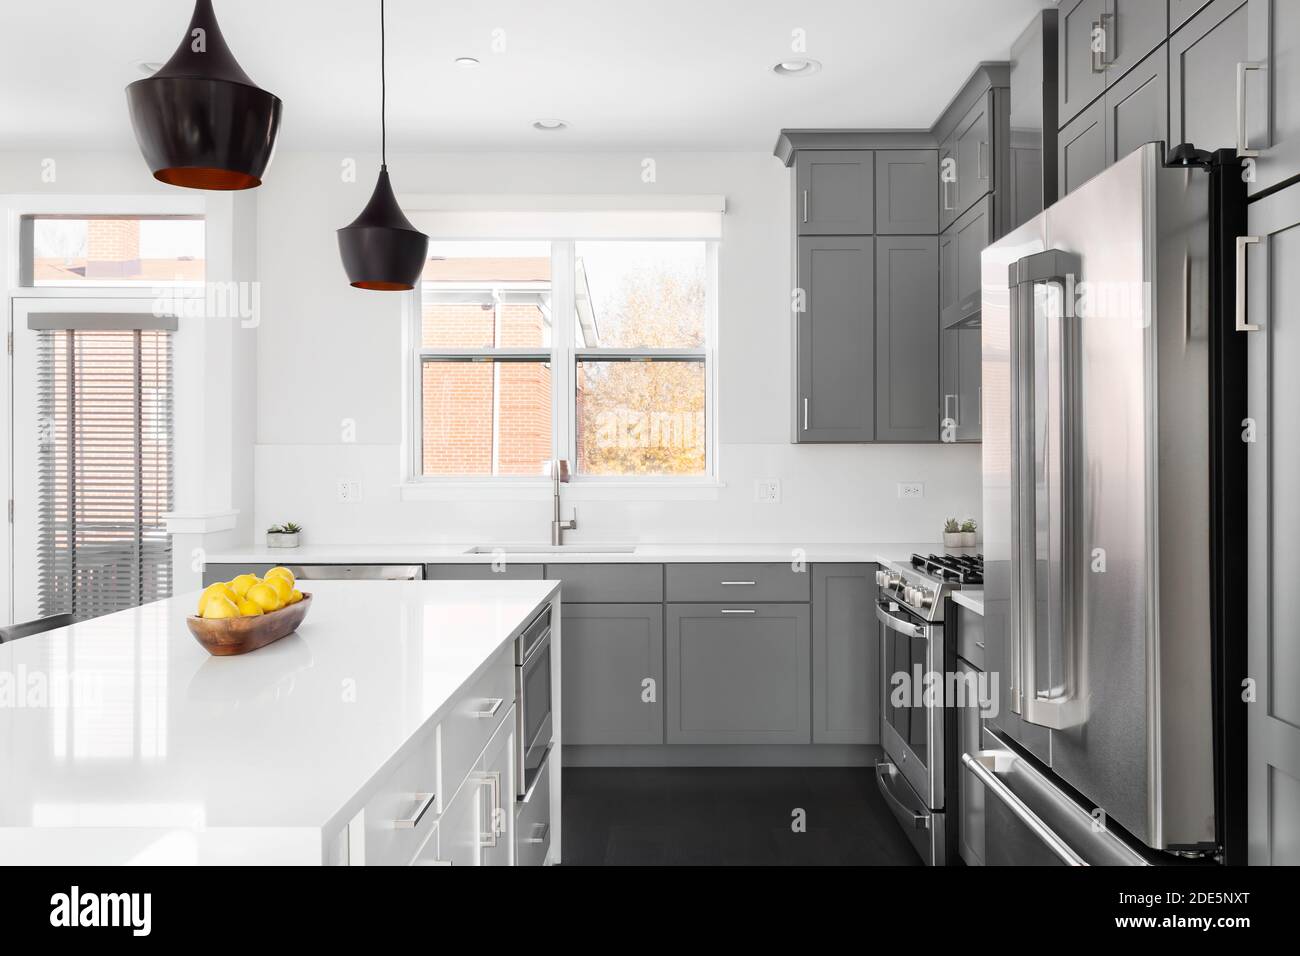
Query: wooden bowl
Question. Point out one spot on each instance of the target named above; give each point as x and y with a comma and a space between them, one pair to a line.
222, 637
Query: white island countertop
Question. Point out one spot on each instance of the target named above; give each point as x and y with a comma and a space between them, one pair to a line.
574, 553
155, 743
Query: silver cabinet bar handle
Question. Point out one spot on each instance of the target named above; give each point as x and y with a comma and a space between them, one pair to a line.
1243, 145
947, 202
980, 645
413, 821
737, 582
1097, 65
738, 610
541, 829
947, 417
805, 205
1026, 816
1107, 24
979, 159
805, 414
494, 704
1242, 325
492, 780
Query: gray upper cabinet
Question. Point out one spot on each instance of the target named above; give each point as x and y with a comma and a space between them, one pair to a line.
1082, 146
974, 136
834, 192
960, 266
1082, 74
1133, 29
1273, 93
1203, 58
613, 687
1137, 107
960, 375
947, 173
907, 338
846, 662
1273, 468
907, 202
835, 345
948, 295
738, 674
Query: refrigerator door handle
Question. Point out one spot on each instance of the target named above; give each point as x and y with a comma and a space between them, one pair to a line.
1043, 357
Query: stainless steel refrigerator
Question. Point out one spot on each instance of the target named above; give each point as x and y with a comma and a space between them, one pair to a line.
1097, 378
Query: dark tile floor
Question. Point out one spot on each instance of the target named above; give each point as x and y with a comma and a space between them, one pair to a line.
685, 816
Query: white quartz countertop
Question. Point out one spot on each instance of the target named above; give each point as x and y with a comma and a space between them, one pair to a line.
154, 732
574, 554
974, 600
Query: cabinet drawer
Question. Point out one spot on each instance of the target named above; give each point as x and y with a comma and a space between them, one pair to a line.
533, 822
609, 583
482, 572
745, 583
477, 713
401, 815
970, 636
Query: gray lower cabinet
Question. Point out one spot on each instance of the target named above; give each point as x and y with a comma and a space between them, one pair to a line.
835, 340
970, 793
907, 338
506, 571
906, 200
1081, 148
1273, 466
835, 192
613, 682
738, 674
1137, 107
845, 655
1273, 93
1203, 58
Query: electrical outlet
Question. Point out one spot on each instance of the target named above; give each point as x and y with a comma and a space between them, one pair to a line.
767, 490
349, 491
911, 490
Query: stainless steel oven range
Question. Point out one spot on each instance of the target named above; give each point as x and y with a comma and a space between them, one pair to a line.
918, 733
533, 720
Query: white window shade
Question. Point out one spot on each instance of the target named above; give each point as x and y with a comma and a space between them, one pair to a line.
567, 217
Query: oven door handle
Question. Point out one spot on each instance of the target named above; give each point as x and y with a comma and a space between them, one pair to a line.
885, 774
901, 625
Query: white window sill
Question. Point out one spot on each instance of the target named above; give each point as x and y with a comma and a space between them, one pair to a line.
705, 489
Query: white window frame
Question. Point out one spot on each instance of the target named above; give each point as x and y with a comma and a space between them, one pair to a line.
564, 355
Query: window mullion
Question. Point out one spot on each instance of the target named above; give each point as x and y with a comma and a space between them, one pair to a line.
564, 308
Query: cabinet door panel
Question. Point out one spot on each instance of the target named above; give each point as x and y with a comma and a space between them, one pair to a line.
739, 674
969, 426
1137, 107
1135, 28
949, 381
510, 571
495, 776
975, 154
1082, 148
973, 233
1273, 94
834, 399
907, 339
947, 174
906, 200
1203, 59
458, 827
834, 192
610, 650
970, 793
1180, 11
1082, 76
846, 662
948, 295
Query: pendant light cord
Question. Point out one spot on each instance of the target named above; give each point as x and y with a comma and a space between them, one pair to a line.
383, 91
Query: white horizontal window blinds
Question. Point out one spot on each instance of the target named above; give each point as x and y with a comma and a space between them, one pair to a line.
105, 468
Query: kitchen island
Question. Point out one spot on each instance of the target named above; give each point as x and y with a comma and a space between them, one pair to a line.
382, 731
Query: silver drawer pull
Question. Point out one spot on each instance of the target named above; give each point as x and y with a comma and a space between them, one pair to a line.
980, 645
488, 839
540, 832
491, 710
1243, 145
738, 610
738, 582
413, 821
1241, 324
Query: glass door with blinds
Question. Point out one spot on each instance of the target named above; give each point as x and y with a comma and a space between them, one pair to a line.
92, 453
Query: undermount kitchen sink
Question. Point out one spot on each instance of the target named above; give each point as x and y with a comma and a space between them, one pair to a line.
550, 549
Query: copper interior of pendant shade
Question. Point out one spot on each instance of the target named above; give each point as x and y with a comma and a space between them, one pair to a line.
202, 177
379, 286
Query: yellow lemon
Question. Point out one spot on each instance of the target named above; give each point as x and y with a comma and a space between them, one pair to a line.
282, 573
249, 608
219, 606
265, 596
281, 586
220, 589
294, 597
241, 584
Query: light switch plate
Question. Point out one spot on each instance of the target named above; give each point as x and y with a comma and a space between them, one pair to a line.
767, 490
911, 490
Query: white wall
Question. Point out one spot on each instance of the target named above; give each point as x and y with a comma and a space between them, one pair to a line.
327, 353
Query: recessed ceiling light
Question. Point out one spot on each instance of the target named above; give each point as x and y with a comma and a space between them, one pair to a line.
148, 67
798, 67
466, 61
550, 125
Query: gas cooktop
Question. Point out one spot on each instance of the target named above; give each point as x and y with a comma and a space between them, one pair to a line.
964, 569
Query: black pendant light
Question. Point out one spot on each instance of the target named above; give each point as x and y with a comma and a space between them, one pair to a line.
381, 250
200, 121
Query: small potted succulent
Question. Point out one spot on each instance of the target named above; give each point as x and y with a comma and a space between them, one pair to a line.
283, 535
952, 536
968, 533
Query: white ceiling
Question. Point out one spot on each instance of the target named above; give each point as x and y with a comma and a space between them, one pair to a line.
627, 74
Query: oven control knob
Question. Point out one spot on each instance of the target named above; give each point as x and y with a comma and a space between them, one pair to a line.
927, 598
882, 578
